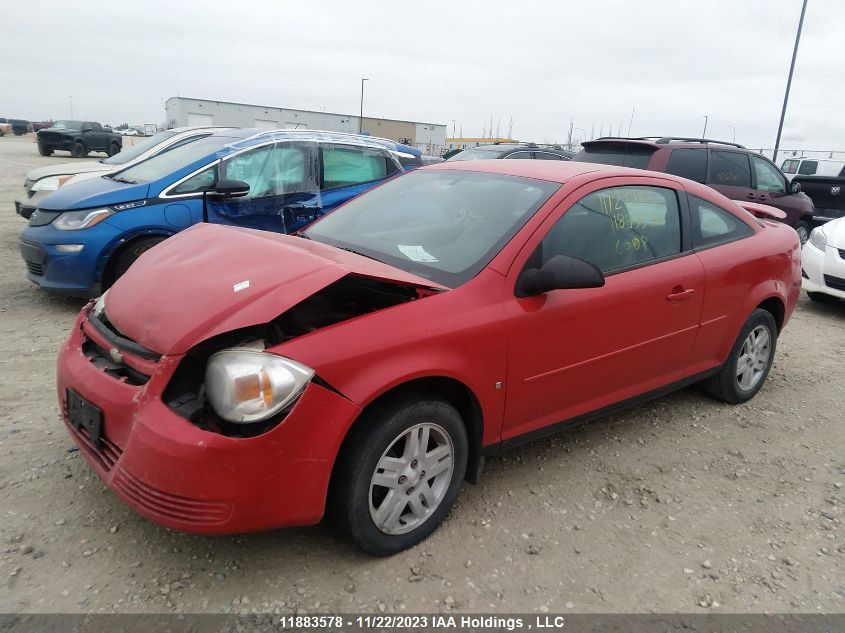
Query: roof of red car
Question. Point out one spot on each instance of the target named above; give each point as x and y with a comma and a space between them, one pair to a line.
552, 170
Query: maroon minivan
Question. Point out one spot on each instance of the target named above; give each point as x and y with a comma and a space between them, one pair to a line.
729, 168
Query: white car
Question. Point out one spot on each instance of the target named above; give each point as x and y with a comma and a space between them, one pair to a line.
43, 181
823, 261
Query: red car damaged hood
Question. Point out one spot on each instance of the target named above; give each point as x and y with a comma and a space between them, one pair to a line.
211, 279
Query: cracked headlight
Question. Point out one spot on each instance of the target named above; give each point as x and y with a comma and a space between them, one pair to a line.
247, 385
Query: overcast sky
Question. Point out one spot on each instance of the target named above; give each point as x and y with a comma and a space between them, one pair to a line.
537, 63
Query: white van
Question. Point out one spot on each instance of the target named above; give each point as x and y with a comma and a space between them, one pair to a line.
812, 167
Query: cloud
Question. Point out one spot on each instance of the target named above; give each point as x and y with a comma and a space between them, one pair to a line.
540, 64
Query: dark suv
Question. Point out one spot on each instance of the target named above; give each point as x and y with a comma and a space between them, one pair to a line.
729, 168
514, 150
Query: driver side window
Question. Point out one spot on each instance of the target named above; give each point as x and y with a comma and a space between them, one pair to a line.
768, 176
202, 181
617, 228
271, 170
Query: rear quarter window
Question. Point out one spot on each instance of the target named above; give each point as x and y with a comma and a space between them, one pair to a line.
713, 225
688, 163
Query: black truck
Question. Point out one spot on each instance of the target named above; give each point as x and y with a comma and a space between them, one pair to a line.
827, 194
78, 138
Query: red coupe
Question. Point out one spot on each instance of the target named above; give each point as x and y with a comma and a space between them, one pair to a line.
237, 380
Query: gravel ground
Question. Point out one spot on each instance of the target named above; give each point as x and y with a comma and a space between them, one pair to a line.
680, 505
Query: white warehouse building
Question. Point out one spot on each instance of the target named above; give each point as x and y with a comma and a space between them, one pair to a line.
185, 111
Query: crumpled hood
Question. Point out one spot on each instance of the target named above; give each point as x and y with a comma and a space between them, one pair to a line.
93, 192
211, 279
65, 169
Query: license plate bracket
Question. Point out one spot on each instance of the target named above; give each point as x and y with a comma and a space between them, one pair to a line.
81, 414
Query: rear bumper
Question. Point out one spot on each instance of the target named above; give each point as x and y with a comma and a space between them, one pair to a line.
826, 215
191, 480
824, 270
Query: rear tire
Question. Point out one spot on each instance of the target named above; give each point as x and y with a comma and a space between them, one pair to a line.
400, 473
114, 148
44, 151
79, 150
127, 257
748, 365
803, 230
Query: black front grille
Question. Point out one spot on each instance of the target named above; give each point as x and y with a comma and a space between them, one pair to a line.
35, 269
101, 359
842, 253
837, 283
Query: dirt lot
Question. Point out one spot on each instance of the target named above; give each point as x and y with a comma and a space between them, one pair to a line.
681, 505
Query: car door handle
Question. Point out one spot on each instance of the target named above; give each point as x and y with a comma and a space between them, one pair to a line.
679, 294
751, 196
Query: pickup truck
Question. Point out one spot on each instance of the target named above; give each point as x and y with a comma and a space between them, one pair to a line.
78, 138
827, 194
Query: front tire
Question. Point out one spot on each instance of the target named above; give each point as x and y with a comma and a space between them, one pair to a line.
44, 151
400, 473
114, 148
127, 257
79, 150
803, 230
749, 362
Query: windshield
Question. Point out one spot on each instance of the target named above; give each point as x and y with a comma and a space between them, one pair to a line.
68, 125
168, 162
131, 153
443, 225
477, 154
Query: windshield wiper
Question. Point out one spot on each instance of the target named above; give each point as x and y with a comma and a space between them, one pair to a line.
128, 181
354, 252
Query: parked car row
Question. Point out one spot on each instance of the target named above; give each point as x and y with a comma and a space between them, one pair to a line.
365, 365
82, 237
364, 362
17, 127
43, 181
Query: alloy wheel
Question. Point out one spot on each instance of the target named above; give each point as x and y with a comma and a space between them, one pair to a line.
411, 478
753, 358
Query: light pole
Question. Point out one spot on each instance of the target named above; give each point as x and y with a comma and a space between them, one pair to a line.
789, 80
71, 105
453, 128
704, 133
361, 117
583, 138
733, 129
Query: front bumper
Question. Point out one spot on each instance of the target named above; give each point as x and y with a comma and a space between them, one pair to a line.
75, 274
191, 480
25, 207
824, 270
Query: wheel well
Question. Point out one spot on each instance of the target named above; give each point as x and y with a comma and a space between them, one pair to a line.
107, 278
774, 306
455, 393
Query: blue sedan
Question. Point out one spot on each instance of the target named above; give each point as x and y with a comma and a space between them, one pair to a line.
86, 235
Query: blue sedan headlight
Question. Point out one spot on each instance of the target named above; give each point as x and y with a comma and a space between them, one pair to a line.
76, 220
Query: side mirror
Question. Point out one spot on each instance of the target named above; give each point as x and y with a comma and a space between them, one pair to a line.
559, 273
229, 189
795, 188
